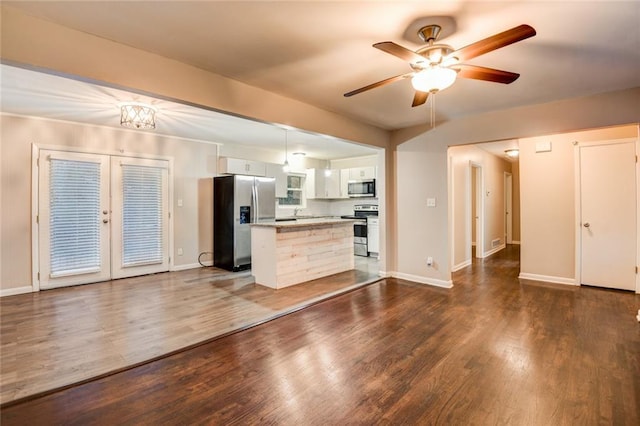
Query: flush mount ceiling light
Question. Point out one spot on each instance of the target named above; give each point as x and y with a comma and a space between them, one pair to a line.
299, 154
137, 116
512, 153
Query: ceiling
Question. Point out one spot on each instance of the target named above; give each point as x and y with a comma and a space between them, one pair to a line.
31, 93
316, 51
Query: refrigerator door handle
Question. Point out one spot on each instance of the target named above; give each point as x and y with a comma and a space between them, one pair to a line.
254, 201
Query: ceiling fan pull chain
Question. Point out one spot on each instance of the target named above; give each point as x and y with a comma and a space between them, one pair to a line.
433, 110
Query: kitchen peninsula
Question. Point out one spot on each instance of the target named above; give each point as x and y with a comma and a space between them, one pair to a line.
290, 252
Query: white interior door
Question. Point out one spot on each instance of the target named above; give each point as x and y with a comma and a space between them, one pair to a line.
608, 215
73, 218
140, 216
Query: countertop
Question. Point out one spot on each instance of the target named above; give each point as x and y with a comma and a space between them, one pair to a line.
304, 223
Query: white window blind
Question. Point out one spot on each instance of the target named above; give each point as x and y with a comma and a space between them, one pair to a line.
141, 215
74, 217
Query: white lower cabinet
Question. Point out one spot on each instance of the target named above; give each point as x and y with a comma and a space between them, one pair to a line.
373, 235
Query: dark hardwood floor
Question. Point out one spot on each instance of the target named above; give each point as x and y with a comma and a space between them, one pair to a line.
58, 338
492, 350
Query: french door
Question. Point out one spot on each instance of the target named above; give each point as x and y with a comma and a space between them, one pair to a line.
101, 217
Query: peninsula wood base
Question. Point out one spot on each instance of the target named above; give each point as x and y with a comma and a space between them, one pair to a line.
283, 256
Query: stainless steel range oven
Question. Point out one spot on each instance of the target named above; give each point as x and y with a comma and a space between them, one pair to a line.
361, 211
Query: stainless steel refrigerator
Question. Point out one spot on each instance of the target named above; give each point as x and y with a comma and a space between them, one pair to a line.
237, 202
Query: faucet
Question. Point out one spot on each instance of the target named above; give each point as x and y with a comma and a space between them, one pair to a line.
296, 211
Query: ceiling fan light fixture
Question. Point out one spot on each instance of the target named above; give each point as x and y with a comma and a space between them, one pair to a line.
512, 153
433, 79
137, 116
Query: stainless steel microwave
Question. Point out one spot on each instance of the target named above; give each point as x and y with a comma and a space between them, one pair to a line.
362, 188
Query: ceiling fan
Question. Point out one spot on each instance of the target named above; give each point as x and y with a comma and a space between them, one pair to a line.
436, 66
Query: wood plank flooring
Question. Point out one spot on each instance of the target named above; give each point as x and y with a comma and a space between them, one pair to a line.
492, 350
60, 337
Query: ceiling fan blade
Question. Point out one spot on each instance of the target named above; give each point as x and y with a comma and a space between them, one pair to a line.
486, 74
378, 84
494, 42
399, 51
419, 98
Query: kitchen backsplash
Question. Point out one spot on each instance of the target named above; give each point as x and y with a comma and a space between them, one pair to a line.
326, 207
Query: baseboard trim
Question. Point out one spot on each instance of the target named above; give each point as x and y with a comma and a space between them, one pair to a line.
547, 279
16, 290
494, 250
191, 266
461, 265
385, 274
515, 242
423, 280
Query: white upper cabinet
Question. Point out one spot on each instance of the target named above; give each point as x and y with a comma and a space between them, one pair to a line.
344, 183
237, 166
332, 184
319, 185
314, 184
275, 171
358, 173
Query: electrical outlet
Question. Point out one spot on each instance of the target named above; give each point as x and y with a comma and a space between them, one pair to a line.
180, 253
429, 261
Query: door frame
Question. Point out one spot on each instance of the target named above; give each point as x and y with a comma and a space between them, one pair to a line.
476, 191
35, 195
578, 202
508, 207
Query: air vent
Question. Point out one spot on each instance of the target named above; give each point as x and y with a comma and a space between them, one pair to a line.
495, 243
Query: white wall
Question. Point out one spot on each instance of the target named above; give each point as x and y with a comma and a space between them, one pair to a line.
422, 231
547, 191
194, 164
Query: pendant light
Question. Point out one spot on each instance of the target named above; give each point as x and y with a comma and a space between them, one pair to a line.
285, 166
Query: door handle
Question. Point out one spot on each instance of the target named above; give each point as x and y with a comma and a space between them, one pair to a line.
586, 225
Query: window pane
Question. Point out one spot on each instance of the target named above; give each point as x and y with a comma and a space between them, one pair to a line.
141, 215
74, 216
295, 192
294, 182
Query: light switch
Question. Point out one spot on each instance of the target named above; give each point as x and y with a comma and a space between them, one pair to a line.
179, 202
431, 202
